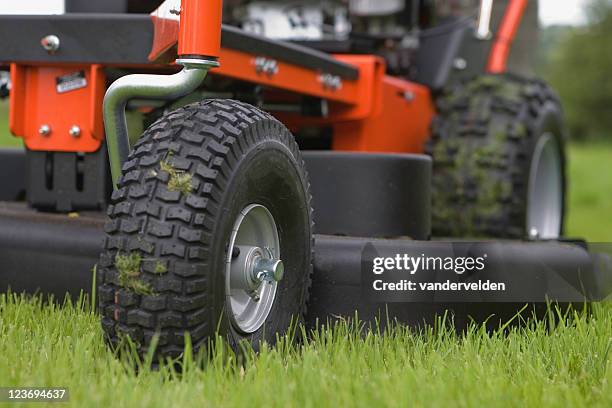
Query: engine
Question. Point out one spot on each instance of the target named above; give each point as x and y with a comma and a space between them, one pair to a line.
317, 20
388, 28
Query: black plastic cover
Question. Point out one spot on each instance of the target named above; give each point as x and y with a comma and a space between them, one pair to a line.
66, 181
12, 174
370, 194
55, 254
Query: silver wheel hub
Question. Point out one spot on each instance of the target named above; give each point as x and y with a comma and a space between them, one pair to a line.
545, 190
253, 268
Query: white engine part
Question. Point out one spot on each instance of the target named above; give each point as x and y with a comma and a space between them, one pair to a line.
376, 7
297, 20
32, 7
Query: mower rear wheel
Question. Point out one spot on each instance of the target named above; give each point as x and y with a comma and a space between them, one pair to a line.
498, 160
209, 231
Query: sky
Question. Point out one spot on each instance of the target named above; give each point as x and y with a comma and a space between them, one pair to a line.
551, 11
562, 11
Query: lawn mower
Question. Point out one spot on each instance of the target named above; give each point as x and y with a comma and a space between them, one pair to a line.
228, 166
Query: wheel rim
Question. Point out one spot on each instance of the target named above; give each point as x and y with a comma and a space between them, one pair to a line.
545, 191
253, 268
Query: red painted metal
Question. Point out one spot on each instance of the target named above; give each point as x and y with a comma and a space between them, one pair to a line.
505, 36
165, 35
288, 77
399, 124
200, 28
390, 114
374, 113
35, 101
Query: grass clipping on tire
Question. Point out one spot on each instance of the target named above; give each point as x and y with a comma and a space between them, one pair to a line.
129, 273
179, 180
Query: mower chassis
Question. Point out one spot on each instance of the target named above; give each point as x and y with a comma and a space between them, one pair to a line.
53, 253
56, 253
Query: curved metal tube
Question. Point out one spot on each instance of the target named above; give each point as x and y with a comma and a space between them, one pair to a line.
164, 87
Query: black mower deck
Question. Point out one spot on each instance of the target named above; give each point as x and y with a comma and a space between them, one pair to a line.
55, 254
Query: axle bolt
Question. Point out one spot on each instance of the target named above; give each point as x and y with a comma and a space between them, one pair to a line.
50, 43
44, 130
269, 270
75, 131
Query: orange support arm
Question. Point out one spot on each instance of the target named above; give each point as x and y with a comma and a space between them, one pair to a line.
200, 29
191, 29
505, 36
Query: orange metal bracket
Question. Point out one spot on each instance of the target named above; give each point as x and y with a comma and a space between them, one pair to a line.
400, 124
236, 64
37, 102
289, 77
390, 115
505, 36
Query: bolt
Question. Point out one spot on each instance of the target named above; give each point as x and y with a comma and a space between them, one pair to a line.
269, 270
44, 130
50, 43
534, 234
408, 96
460, 64
266, 66
75, 131
331, 82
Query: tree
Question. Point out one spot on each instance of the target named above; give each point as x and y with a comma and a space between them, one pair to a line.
579, 67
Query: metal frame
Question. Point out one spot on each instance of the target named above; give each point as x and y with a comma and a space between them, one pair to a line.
166, 87
505, 35
367, 109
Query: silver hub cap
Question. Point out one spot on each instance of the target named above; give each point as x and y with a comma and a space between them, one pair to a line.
253, 268
545, 190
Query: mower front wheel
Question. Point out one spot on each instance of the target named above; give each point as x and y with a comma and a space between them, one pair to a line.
210, 231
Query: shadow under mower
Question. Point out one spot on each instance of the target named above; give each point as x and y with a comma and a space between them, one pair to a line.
187, 160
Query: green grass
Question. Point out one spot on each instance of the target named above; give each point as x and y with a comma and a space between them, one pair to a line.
565, 366
6, 139
590, 185
568, 365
